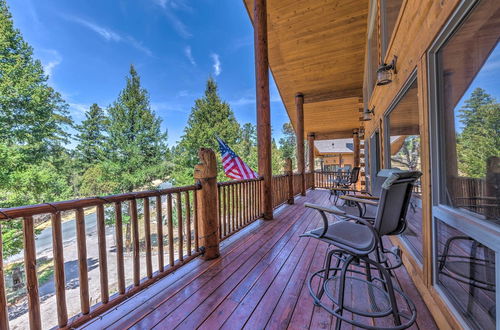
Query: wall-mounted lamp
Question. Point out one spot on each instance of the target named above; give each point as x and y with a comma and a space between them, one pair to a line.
385, 71
366, 114
361, 133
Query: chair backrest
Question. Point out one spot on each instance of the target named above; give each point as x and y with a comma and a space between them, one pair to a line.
354, 175
393, 203
379, 180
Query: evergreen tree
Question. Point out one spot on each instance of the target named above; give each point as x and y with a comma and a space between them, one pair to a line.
288, 143
91, 138
33, 118
479, 138
136, 144
32, 114
277, 160
209, 117
248, 146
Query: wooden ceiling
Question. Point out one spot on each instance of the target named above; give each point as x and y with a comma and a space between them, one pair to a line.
317, 47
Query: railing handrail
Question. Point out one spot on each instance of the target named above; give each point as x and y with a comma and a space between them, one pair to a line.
228, 183
43, 208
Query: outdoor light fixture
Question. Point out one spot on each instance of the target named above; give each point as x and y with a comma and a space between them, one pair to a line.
366, 114
385, 71
361, 133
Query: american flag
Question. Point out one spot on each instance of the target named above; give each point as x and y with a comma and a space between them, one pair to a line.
234, 167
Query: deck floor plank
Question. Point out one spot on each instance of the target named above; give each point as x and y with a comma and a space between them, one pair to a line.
258, 282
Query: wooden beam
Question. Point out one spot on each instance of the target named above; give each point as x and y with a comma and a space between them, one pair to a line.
332, 95
299, 102
310, 144
263, 105
355, 139
333, 135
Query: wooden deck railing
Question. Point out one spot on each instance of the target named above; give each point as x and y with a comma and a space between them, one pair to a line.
239, 205
325, 179
171, 226
178, 244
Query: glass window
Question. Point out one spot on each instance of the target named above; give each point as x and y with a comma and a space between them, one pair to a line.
372, 55
468, 71
466, 272
374, 156
389, 11
403, 152
468, 67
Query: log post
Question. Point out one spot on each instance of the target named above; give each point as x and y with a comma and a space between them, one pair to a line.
205, 173
355, 140
299, 132
492, 183
289, 177
310, 144
263, 105
4, 314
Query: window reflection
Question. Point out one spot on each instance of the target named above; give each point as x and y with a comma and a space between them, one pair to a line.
466, 271
469, 66
404, 153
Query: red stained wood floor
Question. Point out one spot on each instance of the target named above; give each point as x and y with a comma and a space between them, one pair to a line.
258, 282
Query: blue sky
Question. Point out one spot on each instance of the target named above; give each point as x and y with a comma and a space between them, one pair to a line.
87, 46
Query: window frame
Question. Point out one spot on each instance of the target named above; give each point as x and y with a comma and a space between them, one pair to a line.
470, 224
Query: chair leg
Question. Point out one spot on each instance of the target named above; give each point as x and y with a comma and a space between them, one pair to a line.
386, 277
343, 274
328, 263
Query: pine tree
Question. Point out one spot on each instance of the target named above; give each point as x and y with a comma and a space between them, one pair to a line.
479, 138
91, 138
33, 118
32, 114
209, 117
248, 146
288, 143
136, 144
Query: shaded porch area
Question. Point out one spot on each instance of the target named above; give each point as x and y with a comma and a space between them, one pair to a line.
259, 281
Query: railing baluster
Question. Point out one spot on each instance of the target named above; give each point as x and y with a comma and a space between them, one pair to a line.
147, 237
240, 204
59, 278
135, 238
222, 202
4, 312
219, 202
103, 262
120, 269
31, 276
195, 203
159, 233
233, 213
188, 224
180, 237
170, 231
82, 261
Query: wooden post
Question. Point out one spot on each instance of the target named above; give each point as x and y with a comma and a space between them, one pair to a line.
4, 315
299, 132
289, 174
206, 174
492, 182
310, 144
263, 107
59, 278
31, 277
355, 139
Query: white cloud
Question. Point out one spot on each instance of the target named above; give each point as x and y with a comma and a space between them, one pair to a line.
217, 65
50, 59
77, 111
189, 55
110, 35
168, 7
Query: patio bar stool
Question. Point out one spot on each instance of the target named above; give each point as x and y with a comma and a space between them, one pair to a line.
357, 253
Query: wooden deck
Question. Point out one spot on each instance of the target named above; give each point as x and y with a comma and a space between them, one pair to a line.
258, 282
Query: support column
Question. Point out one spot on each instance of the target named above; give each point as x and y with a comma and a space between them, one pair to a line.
263, 107
208, 225
310, 144
289, 174
299, 132
355, 139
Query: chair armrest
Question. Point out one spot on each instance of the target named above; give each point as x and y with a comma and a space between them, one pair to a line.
359, 200
375, 198
331, 209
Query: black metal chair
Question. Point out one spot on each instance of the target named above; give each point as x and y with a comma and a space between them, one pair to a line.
358, 242
344, 183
